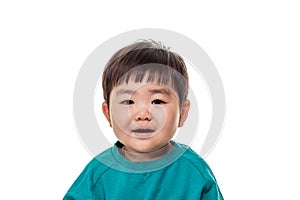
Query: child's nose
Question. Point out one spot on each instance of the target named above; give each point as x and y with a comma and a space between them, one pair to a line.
143, 114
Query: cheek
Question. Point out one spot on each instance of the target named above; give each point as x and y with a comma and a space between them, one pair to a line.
174, 115
158, 114
165, 117
120, 117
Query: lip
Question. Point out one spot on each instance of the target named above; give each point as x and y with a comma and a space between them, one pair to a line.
142, 133
142, 130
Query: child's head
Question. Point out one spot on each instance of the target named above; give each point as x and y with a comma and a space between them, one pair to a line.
145, 89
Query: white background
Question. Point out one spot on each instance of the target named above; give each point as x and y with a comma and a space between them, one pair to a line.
254, 45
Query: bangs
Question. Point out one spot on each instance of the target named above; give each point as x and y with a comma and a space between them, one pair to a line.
156, 73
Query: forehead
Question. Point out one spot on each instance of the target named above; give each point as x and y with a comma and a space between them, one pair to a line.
132, 88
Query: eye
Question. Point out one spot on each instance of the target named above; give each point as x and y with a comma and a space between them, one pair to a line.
127, 102
158, 101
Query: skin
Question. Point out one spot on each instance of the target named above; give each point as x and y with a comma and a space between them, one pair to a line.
145, 117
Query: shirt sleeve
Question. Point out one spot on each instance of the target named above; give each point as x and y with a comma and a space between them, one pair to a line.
212, 192
84, 185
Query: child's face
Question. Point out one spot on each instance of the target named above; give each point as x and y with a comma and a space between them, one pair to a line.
144, 116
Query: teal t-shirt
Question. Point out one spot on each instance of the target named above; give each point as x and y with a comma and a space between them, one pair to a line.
179, 175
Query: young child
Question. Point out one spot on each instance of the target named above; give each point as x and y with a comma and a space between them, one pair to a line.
145, 89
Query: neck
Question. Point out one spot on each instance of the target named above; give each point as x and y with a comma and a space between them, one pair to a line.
148, 156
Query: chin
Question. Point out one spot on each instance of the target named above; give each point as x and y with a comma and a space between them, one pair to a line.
145, 146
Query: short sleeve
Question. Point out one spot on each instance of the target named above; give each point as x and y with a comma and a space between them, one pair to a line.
84, 185
212, 192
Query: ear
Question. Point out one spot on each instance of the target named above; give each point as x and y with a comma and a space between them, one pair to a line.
184, 113
105, 111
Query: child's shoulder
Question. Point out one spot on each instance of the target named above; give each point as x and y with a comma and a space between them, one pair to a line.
191, 160
99, 164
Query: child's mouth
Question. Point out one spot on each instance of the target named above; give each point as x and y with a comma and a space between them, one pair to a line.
143, 133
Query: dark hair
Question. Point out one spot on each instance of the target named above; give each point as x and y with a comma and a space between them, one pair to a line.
146, 57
